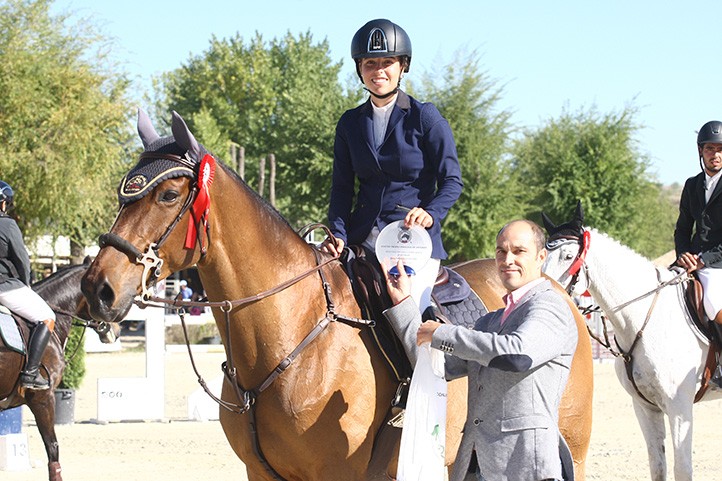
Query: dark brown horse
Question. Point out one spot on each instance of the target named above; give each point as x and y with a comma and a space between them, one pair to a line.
307, 391
61, 291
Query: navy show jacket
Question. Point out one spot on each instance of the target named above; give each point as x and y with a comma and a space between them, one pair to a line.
416, 165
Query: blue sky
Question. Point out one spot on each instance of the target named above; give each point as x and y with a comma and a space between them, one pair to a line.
662, 57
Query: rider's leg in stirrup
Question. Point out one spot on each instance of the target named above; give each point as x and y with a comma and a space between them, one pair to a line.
30, 377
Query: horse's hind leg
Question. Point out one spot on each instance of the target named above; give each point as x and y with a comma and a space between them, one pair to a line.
42, 405
651, 420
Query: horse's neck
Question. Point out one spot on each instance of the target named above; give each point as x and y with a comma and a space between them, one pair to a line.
63, 295
251, 247
253, 251
618, 275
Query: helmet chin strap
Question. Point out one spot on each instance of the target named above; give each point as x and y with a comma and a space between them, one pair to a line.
384, 96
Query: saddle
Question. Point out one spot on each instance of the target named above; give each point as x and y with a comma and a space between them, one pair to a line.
454, 302
711, 330
10, 333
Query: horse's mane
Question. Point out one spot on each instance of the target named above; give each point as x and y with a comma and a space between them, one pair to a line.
57, 281
267, 207
640, 261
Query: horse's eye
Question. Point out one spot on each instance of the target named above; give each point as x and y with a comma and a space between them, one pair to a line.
568, 257
169, 196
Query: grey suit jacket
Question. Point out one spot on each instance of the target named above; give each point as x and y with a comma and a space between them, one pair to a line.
517, 374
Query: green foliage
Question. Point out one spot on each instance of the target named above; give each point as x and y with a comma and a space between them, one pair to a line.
276, 97
75, 359
490, 197
63, 122
594, 158
65, 141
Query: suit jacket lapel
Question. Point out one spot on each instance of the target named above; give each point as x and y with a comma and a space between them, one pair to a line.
699, 190
366, 125
516, 317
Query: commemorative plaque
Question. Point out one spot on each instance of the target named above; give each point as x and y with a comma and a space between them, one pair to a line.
411, 245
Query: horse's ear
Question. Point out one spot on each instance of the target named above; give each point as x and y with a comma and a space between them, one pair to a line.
548, 224
579, 213
87, 261
145, 129
184, 138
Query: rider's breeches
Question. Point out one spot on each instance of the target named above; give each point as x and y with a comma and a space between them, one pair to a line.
711, 280
27, 303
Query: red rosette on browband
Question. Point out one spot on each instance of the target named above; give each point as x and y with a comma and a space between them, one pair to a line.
202, 205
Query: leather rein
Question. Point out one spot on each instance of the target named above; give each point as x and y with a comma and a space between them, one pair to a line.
627, 357
152, 264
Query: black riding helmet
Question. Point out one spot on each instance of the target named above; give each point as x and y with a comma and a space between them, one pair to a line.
381, 38
710, 133
6, 194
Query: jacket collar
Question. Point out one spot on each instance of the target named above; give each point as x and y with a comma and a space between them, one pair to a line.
529, 295
400, 110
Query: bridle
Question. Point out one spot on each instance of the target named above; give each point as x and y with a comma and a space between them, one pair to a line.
152, 264
149, 259
584, 241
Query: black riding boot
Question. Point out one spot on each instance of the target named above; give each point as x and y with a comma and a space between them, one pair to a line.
30, 378
716, 378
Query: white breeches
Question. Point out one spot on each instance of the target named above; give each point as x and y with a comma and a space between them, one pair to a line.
25, 302
711, 280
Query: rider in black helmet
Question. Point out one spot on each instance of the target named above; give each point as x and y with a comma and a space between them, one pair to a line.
394, 156
698, 234
16, 294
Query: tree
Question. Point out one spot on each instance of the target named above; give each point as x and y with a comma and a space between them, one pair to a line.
63, 127
469, 99
280, 97
594, 158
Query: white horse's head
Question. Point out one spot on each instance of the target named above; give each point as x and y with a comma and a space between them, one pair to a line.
564, 264
567, 247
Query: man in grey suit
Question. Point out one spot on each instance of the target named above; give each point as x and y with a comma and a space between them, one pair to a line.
517, 359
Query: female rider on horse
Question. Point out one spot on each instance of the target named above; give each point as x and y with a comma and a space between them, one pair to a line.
399, 151
16, 294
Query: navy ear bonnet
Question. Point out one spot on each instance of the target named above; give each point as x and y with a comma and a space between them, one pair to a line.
171, 161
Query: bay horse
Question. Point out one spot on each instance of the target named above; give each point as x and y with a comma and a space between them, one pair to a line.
61, 290
307, 393
646, 302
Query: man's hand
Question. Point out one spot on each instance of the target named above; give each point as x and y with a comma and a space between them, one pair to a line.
690, 262
399, 286
426, 332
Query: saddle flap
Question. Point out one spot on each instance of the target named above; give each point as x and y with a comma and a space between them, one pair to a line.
694, 295
369, 288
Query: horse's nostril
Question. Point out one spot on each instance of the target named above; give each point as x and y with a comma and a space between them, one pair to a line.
106, 295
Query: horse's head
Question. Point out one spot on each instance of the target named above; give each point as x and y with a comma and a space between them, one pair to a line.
160, 193
567, 247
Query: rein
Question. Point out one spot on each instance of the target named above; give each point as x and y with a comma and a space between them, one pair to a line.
627, 357
246, 398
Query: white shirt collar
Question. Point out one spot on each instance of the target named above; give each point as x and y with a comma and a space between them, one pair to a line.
381, 120
709, 184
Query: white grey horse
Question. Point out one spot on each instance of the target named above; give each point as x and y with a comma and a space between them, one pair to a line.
667, 361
